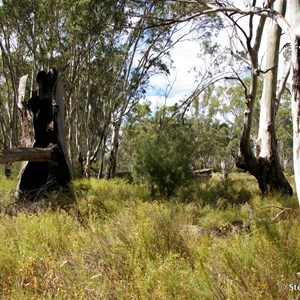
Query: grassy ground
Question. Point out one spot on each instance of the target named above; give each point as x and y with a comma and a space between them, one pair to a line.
215, 240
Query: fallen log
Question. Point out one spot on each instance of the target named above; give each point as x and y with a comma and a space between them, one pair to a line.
26, 154
203, 172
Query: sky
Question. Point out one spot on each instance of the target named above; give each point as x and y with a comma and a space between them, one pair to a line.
181, 80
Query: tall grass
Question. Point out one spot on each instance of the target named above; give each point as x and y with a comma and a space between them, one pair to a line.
116, 242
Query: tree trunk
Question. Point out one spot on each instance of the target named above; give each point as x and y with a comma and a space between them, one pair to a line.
264, 166
270, 177
27, 138
88, 162
101, 172
246, 159
224, 169
12, 89
47, 108
295, 44
112, 164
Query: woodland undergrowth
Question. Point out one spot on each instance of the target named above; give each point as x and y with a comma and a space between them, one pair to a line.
213, 240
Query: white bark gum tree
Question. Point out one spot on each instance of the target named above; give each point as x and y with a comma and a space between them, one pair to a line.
271, 177
267, 102
294, 7
292, 29
247, 159
265, 169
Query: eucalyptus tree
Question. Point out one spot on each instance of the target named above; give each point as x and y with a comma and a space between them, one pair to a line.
228, 104
145, 49
264, 164
225, 105
265, 167
291, 28
93, 61
13, 50
270, 176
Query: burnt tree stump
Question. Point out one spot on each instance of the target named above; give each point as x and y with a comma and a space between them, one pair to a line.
45, 109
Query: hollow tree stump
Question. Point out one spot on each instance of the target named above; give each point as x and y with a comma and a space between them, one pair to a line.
44, 111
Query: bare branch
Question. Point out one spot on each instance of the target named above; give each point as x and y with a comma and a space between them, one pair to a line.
215, 7
241, 81
282, 213
257, 72
282, 84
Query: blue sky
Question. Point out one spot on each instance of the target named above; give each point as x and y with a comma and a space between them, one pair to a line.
182, 77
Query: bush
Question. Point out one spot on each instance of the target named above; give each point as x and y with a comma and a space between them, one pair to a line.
165, 157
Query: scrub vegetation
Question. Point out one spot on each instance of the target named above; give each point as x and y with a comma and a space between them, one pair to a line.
213, 239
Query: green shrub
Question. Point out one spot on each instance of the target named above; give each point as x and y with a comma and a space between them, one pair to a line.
165, 157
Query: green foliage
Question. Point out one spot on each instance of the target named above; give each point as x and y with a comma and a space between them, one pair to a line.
217, 193
165, 156
218, 119
97, 196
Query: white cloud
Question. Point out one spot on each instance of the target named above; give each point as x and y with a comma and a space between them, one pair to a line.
181, 81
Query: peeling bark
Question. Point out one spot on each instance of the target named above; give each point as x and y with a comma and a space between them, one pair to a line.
264, 166
271, 177
296, 109
246, 159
